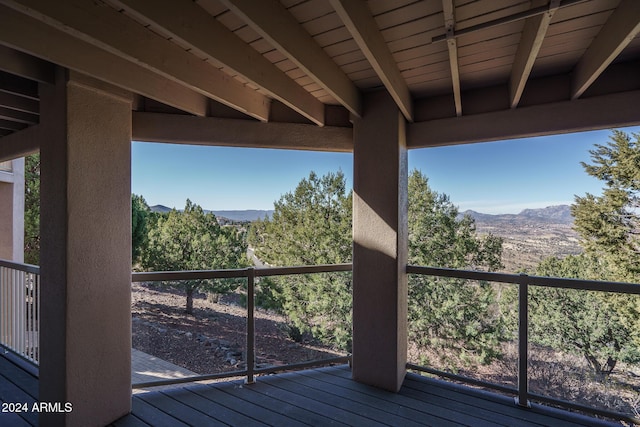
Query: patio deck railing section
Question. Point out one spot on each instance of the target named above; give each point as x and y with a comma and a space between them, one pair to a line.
522, 393
250, 274
19, 309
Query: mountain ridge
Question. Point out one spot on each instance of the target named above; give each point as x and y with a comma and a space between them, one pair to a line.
241, 215
556, 214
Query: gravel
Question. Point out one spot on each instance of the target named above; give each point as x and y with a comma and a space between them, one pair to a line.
213, 339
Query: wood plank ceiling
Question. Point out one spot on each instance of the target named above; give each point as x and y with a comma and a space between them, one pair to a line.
311, 61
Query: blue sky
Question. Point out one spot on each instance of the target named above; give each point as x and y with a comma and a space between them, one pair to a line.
493, 177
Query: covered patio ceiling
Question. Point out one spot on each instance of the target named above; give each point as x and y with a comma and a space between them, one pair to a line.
292, 73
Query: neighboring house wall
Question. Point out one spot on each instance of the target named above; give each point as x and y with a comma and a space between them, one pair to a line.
12, 210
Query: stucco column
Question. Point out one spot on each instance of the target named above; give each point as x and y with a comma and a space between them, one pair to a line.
12, 212
380, 244
85, 340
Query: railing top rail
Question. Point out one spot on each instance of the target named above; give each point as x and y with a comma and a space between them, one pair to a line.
27, 268
154, 276
550, 282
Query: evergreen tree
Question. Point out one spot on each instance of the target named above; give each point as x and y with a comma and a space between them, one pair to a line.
193, 240
609, 225
32, 209
600, 327
310, 226
451, 318
139, 215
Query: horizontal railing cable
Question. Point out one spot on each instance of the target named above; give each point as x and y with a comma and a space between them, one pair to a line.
549, 282
250, 274
524, 281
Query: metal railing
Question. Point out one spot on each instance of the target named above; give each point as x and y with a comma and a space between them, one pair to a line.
250, 274
522, 393
20, 309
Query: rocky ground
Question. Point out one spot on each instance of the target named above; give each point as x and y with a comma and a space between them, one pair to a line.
213, 339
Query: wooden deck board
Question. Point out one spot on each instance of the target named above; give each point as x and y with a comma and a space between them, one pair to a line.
130, 421
178, 409
429, 408
319, 391
259, 394
406, 407
400, 413
267, 415
325, 396
229, 416
500, 405
17, 386
152, 415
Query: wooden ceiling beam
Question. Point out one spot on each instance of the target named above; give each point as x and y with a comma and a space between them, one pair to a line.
452, 46
19, 116
213, 131
22, 143
274, 23
598, 112
23, 65
619, 30
189, 23
356, 16
106, 28
535, 29
18, 103
32, 36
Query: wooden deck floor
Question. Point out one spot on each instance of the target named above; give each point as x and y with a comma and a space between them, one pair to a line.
318, 397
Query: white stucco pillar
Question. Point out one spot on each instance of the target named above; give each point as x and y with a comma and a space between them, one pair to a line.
380, 244
85, 340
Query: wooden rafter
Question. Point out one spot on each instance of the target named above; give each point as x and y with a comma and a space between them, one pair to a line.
188, 22
273, 22
181, 129
106, 28
26, 66
621, 27
452, 46
598, 112
357, 17
22, 143
535, 29
51, 44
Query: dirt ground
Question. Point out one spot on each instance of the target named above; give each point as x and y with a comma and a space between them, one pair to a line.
213, 339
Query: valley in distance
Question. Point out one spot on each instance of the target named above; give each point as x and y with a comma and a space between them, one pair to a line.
529, 237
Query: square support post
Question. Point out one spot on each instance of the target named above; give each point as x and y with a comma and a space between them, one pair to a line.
380, 244
12, 211
85, 338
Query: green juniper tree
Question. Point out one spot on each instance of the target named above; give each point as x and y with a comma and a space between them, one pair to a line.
602, 327
455, 320
139, 216
609, 225
310, 225
32, 209
193, 240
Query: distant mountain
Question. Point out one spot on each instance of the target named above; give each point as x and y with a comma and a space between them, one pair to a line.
560, 214
531, 236
233, 215
160, 208
245, 215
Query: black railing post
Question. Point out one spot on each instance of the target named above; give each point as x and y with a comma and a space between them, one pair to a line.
523, 342
251, 355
